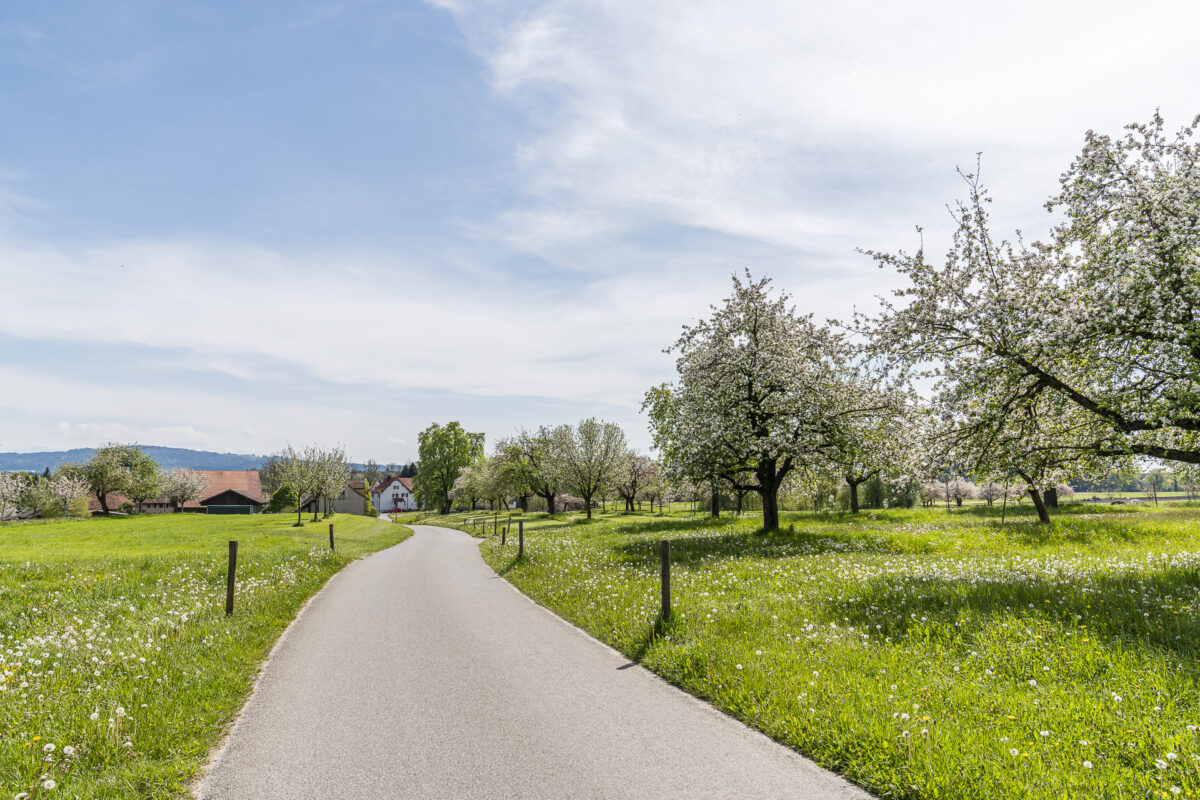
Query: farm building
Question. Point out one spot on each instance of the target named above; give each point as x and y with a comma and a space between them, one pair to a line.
394, 494
225, 488
352, 500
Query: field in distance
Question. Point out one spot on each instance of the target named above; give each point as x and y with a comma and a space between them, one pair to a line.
119, 670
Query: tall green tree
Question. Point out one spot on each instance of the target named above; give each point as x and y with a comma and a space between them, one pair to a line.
118, 469
443, 450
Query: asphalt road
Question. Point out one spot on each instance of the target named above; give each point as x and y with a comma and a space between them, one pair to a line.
419, 673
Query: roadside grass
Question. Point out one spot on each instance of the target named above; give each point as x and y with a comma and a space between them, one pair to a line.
119, 671
920, 653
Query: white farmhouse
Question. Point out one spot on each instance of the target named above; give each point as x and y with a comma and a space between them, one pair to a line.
394, 494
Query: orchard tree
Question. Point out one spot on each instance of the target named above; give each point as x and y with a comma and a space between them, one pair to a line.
756, 395
11, 486
515, 473
442, 452
586, 457
301, 469
1102, 319
35, 495
68, 487
536, 449
633, 474
145, 481
656, 487
876, 435
181, 486
333, 471
107, 472
991, 492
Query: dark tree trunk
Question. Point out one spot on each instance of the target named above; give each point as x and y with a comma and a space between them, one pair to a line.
103, 498
1036, 497
587, 502
770, 498
1051, 497
716, 504
445, 508
740, 496
853, 495
524, 503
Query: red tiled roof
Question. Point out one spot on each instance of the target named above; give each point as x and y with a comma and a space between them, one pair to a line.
244, 482
406, 483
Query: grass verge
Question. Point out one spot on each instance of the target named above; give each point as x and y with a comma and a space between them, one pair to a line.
919, 653
118, 668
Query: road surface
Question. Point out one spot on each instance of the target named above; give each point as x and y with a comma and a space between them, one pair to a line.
419, 673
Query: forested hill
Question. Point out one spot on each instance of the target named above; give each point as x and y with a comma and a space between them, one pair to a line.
167, 457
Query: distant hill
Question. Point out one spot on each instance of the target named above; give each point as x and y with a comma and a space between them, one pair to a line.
167, 457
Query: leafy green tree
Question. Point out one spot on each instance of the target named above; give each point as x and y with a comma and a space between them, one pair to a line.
283, 498
146, 480
118, 469
442, 452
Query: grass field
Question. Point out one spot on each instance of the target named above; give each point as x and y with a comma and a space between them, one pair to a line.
118, 668
920, 653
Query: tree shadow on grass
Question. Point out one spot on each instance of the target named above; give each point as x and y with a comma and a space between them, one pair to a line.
740, 544
1124, 606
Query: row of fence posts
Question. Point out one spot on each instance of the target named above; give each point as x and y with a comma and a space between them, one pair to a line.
664, 550
231, 576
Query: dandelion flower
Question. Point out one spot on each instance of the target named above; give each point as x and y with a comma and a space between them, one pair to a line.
1012, 751
1087, 765
48, 784
1158, 762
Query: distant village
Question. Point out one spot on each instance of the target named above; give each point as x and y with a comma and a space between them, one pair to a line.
125, 480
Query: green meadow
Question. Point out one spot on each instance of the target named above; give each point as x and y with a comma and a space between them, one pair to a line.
920, 653
119, 671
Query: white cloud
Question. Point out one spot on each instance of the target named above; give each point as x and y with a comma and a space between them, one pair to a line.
814, 126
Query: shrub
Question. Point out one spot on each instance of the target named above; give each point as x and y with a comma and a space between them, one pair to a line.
283, 499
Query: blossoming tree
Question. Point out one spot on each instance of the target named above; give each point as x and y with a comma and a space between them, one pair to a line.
757, 392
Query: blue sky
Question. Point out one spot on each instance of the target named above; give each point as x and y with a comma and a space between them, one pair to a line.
237, 225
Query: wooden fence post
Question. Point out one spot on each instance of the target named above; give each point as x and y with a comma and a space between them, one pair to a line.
504, 536
521, 538
666, 579
233, 545
331, 537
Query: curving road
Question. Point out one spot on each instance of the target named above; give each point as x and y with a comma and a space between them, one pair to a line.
419, 673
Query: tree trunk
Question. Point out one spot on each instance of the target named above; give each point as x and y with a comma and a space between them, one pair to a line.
587, 502
1036, 497
770, 498
445, 507
1050, 496
853, 495
103, 498
716, 504
524, 503
740, 495
550, 502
